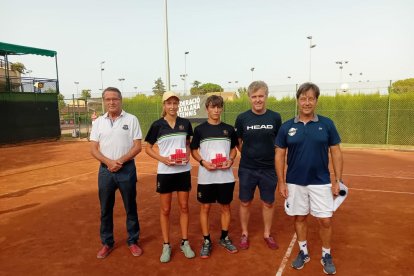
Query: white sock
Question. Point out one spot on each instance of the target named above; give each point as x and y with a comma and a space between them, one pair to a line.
303, 245
326, 251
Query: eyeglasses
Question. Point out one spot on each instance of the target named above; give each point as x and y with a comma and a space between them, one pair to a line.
112, 99
307, 99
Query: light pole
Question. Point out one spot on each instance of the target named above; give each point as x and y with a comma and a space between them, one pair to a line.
185, 71
341, 64
310, 56
28, 72
102, 69
252, 69
77, 88
135, 88
121, 80
167, 50
183, 79
235, 84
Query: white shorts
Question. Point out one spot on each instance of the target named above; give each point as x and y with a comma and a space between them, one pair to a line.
316, 199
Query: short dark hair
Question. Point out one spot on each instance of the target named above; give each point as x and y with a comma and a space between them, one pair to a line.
112, 89
306, 87
214, 101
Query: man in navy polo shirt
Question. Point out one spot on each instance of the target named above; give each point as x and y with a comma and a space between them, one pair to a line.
256, 131
307, 188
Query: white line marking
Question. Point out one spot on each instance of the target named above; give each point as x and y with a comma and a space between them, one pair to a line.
287, 255
51, 183
382, 191
380, 176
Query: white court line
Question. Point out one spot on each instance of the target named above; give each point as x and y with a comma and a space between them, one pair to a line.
286, 257
53, 182
382, 191
379, 176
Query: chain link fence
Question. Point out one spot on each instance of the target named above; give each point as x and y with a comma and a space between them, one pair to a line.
364, 112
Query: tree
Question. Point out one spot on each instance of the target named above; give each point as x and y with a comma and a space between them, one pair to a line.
196, 83
242, 91
86, 94
195, 90
18, 66
210, 87
159, 87
403, 86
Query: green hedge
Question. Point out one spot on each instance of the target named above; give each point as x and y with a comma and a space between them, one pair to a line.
360, 119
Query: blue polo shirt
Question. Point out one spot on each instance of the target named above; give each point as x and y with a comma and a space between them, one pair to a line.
308, 149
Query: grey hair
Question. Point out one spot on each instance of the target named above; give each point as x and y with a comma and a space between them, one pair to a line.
112, 89
255, 86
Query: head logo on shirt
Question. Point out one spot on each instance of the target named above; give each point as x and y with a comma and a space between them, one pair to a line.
292, 131
181, 127
225, 132
125, 127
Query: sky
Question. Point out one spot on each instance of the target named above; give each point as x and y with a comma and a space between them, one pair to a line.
224, 38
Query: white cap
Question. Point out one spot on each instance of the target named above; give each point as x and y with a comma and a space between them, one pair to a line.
168, 95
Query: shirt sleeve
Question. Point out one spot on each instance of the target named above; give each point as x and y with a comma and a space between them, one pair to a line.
137, 133
195, 142
190, 130
233, 138
281, 137
152, 134
94, 132
239, 127
334, 138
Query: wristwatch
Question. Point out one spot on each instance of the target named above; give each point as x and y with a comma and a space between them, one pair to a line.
201, 162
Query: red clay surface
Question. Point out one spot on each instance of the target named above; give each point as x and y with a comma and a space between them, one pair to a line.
49, 220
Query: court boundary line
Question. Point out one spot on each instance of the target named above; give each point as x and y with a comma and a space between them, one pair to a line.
382, 191
50, 183
380, 176
286, 256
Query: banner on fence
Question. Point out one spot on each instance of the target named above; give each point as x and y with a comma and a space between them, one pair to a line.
193, 107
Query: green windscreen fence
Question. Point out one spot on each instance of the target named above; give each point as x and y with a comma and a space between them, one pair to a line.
29, 116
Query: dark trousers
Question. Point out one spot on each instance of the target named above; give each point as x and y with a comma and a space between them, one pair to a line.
125, 180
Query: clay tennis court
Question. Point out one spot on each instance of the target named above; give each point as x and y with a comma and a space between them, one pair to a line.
49, 220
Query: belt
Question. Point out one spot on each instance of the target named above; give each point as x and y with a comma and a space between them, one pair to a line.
126, 163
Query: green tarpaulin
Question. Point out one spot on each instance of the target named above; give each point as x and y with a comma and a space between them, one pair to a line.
12, 49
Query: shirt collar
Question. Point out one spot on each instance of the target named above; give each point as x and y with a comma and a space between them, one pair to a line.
106, 115
314, 119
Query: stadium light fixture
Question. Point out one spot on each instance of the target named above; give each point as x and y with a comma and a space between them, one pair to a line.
121, 80
102, 69
185, 72
310, 56
341, 64
77, 88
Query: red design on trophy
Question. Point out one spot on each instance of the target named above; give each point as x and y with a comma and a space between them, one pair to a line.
179, 156
218, 159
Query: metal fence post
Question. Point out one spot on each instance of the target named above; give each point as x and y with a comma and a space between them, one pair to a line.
74, 113
387, 133
295, 101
